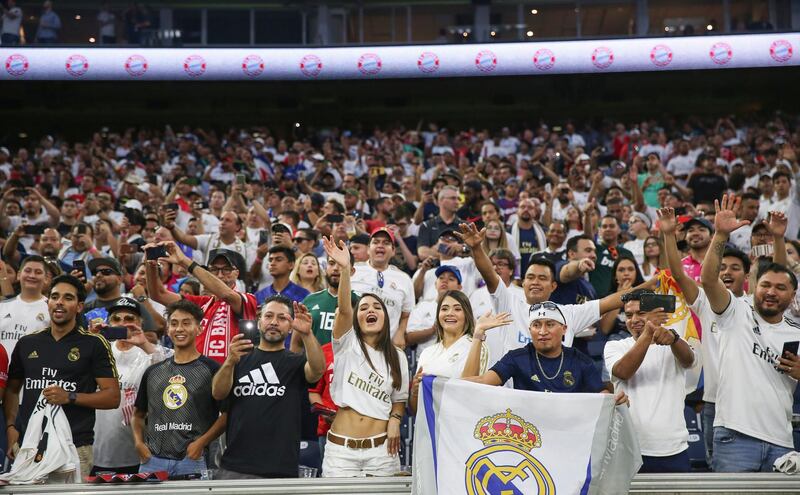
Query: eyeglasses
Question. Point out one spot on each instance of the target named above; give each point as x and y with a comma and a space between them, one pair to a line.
300, 239
380, 280
226, 270
503, 264
119, 319
106, 272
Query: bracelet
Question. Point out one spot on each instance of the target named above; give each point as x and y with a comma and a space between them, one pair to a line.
192, 266
675, 334
259, 261
396, 416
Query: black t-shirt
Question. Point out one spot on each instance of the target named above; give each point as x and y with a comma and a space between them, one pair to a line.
264, 405
71, 363
178, 402
707, 187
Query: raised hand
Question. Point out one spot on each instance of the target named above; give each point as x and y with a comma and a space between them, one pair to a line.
667, 223
725, 220
489, 321
174, 253
339, 252
471, 236
586, 265
302, 319
777, 224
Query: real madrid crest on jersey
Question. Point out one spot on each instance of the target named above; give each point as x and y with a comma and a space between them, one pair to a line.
74, 354
175, 395
505, 464
569, 380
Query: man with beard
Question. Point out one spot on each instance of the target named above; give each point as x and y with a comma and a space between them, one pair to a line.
267, 382
698, 237
757, 375
322, 305
223, 307
67, 366
49, 245
107, 280
527, 233
608, 250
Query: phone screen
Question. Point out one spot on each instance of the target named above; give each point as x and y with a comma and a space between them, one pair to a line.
79, 265
792, 347
650, 302
156, 252
335, 218
249, 328
114, 333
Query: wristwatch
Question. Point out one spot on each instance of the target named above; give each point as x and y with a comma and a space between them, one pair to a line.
73, 396
674, 334
141, 299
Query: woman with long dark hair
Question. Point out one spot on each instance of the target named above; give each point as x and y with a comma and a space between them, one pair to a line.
626, 274
370, 384
455, 325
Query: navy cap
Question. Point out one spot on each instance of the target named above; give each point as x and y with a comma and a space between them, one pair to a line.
449, 268
126, 303
701, 221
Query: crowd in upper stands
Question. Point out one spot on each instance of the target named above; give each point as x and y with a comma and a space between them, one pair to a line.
268, 276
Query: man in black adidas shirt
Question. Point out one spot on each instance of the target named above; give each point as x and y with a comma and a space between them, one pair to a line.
175, 398
65, 364
264, 388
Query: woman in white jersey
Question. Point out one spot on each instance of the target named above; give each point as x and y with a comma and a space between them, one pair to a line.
455, 325
369, 386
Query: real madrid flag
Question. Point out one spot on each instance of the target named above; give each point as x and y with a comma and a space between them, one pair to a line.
481, 440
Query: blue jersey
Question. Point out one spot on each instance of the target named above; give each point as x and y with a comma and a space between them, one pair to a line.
577, 373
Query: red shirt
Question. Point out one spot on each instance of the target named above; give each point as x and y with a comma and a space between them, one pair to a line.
220, 323
323, 388
4, 367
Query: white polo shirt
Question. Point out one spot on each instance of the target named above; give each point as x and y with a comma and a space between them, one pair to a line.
357, 385
449, 362
397, 291
657, 393
752, 396
469, 278
577, 316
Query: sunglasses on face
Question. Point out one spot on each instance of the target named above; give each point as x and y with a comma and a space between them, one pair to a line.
106, 272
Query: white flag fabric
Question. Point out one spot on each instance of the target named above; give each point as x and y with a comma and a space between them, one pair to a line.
480, 440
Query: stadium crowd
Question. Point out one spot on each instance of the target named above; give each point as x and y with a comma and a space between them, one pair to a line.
191, 296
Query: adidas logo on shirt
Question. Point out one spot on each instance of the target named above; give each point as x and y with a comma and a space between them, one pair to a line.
7, 316
316, 306
33, 355
260, 382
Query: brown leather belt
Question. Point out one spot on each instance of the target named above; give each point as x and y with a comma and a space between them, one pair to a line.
356, 443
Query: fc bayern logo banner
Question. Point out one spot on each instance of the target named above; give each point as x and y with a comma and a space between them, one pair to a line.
310, 65
136, 65
253, 65
519, 442
369, 64
428, 62
195, 65
486, 61
17, 64
781, 51
661, 55
544, 59
720, 53
602, 57
76, 65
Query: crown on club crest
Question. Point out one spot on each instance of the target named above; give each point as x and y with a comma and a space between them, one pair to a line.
508, 428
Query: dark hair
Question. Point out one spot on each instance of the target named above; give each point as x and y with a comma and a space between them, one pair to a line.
635, 295
83, 225
33, 258
291, 213
469, 316
778, 268
749, 195
495, 206
783, 174
336, 206
735, 253
384, 346
638, 279
545, 263
73, 281
286, 251
572, 243
193, 283
187, 307
311, 233
504, 254
279, 298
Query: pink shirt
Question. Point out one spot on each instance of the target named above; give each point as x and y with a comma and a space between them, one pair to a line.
692, 267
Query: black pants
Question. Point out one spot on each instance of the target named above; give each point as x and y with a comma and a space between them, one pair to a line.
117, 470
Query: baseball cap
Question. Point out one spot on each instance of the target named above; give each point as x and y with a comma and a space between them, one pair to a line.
133, 179
449, 268
318, 156
383, 230
232, 257
449, 232
701, 221
351, 192
95, 263
546, 311
280, 227
134, 203
644, 218
582, 157
126, 303
760, 224
360, 239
